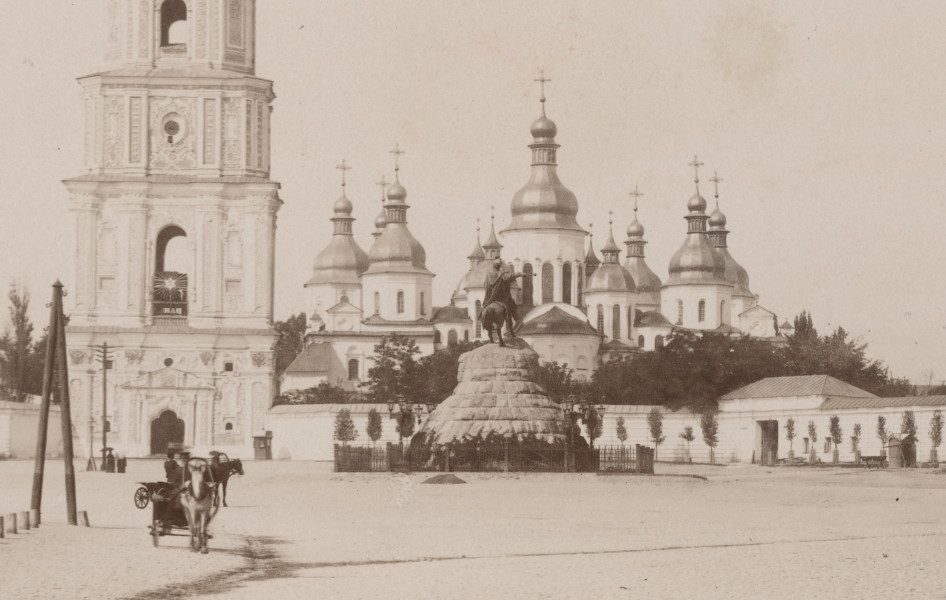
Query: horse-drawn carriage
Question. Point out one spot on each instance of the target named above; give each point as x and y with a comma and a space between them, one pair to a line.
190, 504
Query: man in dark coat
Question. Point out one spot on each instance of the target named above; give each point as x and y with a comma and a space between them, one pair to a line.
498, 284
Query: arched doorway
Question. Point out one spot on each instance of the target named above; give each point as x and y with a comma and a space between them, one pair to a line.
166, 429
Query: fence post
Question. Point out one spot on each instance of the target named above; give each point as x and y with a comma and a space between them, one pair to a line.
506, 456
446, 462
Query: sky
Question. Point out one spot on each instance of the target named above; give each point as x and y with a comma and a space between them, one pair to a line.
825, 121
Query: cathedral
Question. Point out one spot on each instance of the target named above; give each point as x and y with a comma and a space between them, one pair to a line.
175, 219
577, 310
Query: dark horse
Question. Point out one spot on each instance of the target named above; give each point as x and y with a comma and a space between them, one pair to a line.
493, 316
221, 471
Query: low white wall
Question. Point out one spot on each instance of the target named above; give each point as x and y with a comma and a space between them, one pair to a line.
19, 424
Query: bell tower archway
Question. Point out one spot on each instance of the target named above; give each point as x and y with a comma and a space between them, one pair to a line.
166, 429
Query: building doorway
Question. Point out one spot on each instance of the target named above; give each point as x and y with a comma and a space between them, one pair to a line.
166, 429
768, 446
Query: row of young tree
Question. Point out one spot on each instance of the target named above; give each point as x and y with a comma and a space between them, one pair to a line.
908, 427
21, 355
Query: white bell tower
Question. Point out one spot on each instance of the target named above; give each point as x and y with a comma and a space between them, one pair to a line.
175, 230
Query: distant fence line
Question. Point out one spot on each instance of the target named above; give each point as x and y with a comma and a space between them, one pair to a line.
508, 457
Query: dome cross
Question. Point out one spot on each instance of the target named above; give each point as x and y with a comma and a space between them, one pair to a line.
716, 179
383, 184
636, 194
397, 152
343, 166
696, 164
542, 80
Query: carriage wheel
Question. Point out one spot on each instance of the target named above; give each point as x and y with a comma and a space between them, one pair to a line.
142, 497
155, 532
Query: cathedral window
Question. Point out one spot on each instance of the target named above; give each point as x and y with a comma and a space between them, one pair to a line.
173, 23
600, 319
702, 310
422, 311
353, 369
400, 302
452, 337
658, 342
616, 322
228, 367
640, 341
722, 312
228, 427
466, 335
478, 323
169, 283
377, 303
679, 312
437, 338
630, 321
548, 278
567, 283
581, 284
527, 295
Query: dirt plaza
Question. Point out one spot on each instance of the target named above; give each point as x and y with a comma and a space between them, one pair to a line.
298, 530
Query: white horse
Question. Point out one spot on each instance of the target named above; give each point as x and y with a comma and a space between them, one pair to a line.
198, 501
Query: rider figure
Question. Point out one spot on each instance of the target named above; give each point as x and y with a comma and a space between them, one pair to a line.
174, 473
498, 283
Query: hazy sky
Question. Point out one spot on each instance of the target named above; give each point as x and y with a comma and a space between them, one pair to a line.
826, 121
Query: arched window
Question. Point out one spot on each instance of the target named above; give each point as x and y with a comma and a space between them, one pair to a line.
600, 319
171, 262
400, 302
567, 283
466, 335
548, 282
527, 298
630, 322
477, 322
702, 310
437, 336
353, 369
581, 284
616, 322
640, 341
422, 304
452, 337
171, 252
679, 312
173, 22
658, 342
377, 303
722, 312
228, 427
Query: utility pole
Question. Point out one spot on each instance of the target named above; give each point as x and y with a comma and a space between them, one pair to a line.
104, 357
39, 464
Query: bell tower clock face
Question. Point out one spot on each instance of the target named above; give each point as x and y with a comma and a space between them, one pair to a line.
169, 294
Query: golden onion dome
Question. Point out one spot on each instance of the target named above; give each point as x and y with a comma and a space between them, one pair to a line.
610, 277
543, 129
397, 250
735, 274
381, 220
342, 206
697, 203
635, 229
342, 261
717, 219
696, 262
396, 193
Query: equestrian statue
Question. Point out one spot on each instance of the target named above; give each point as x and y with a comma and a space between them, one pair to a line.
499, 306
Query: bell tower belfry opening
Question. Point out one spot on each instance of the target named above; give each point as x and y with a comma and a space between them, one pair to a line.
175, 217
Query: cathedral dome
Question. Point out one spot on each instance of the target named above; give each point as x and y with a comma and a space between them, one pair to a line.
343, 206
696, 261
610, 277
381, 220
735, 273
396, 192
342, 261
395, 245
645, 279
697, 203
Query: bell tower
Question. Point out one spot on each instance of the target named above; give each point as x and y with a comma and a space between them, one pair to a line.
175, 227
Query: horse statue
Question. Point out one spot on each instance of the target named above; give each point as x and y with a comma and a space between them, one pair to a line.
493, 317
197, 499
221, 468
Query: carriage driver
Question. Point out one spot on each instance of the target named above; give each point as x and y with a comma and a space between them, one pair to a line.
174, 473
498, 283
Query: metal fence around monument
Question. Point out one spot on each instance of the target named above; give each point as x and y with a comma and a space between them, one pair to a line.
497, 457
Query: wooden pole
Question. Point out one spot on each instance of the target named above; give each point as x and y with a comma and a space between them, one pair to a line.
39, 462
66, 414
104, 359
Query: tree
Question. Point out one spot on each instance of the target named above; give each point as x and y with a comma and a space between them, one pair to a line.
882, 432
324, 393
289, 341
936, 433
834, 428
438, 371
405, 425
687, 436
559, 382
856, 439
790, 436
374, 426
813, 436
655, 422
394, 373
344, 427
908, 423
16, 349
710, 427
621, 430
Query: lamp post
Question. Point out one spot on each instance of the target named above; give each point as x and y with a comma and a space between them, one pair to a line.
405, 414
104, 357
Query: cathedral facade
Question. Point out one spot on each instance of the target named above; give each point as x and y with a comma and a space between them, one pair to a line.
577, 310
175, 224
